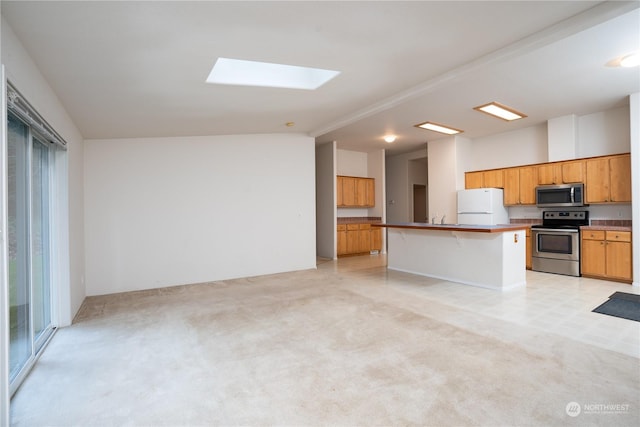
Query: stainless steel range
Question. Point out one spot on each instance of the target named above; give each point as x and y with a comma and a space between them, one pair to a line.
556, 242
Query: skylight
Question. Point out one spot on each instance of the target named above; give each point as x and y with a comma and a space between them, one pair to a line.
251, 73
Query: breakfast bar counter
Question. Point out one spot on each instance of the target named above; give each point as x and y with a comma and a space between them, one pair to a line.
489, 256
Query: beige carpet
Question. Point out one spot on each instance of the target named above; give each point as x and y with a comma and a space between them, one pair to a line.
312, 348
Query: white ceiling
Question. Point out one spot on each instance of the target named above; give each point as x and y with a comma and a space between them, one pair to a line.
138, 69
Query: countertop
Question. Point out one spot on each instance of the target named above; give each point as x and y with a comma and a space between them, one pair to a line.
456, 227
605, 227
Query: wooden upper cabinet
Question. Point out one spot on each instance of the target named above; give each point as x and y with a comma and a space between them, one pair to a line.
550, 173
371, 192
484, 179
573, 171
520, 185
620, 177
528, 184
493, 178
348, 191
608, 179
361, 192
473, 180
597, 186
511, 186
561, 172
339, 192
355, 192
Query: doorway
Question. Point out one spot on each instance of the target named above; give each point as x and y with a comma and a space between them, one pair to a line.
419, 203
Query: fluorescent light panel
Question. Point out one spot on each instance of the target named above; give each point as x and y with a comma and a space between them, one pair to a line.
501, 111
252, 73
439, 128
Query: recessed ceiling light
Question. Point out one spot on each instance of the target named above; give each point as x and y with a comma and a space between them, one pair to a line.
390, 138
251, 73
500, 111
439, 128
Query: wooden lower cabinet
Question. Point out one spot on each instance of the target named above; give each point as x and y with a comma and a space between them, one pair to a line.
358, 239
364, 238
606, 254
342, 239
376, 238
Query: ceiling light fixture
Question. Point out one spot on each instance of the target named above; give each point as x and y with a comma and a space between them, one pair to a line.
626, 61
439, 128
252, 73
629, 61
389, 138
501, 111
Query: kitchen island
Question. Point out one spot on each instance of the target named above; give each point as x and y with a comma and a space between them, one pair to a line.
489, 256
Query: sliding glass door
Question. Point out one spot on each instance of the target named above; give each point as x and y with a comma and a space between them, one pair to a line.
40, 248
29, 190
20, 348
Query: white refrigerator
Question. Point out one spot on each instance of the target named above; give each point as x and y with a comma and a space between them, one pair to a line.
482, 206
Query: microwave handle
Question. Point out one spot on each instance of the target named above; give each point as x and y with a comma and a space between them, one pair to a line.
573, 197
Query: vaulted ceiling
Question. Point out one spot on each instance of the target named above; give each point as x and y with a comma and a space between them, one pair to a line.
138, 69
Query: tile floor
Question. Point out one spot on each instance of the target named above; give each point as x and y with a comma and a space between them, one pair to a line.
550, 302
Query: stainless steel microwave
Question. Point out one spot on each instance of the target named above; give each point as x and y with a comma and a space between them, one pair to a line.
548, 196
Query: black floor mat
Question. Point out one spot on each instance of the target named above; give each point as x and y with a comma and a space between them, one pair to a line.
621, 304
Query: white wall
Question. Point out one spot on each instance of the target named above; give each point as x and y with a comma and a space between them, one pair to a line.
171, 211
515, 148
604, 133
326, 200
23, 73
634, 138
598, 134
443, 179
399, 189
375, 170
418, 176
562, 143
352, 163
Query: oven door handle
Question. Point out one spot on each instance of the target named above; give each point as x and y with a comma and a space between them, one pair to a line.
556, 230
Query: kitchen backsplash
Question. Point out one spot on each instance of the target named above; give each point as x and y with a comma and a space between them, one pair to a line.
528, 221
612, 222
358, 219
